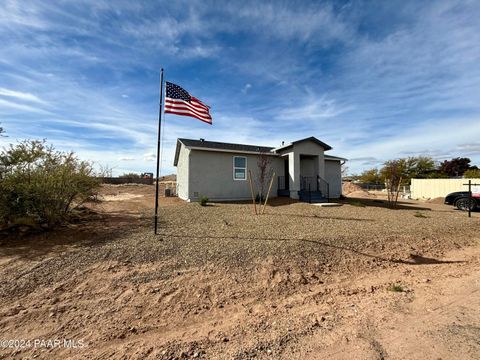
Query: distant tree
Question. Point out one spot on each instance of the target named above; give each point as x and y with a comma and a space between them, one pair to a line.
371, 176
455, 167
130, 175
344, 170
1, 131
419, 167
472, 174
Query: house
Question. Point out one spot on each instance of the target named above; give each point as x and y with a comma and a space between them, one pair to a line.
221, 171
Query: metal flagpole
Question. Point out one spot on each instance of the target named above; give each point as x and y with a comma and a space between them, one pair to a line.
158, 150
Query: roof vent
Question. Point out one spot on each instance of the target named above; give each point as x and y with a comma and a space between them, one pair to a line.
202, 140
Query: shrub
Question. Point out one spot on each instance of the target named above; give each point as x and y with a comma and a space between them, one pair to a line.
203, 201
396, 288
356, 203
130, 176
39, 186
420, 215
472, 174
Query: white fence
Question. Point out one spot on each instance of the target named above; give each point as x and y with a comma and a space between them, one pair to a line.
433, 188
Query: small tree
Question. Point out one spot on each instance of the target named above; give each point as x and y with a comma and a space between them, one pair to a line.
40, 186
395, 173
265, 171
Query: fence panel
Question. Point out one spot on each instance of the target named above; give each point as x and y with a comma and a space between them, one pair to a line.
433, 188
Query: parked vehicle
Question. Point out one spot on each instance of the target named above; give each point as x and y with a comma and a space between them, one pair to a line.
461, 201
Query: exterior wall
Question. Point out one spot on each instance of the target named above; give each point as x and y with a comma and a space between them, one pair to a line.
432, 188
211, 175
308, 166
182, 173
333, 175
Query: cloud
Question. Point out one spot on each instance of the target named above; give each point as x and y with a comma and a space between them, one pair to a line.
246, 88
5, 105
149, 156
21, 96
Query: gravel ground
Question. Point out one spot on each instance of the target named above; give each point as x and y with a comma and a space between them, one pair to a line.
218, 281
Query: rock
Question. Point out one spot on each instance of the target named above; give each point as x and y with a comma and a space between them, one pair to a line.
225, 339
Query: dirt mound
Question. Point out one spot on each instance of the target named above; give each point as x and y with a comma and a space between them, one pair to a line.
349, 187
437, 200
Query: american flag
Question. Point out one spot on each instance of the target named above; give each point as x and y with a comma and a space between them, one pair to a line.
179, 102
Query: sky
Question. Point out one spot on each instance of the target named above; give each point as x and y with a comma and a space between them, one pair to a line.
376, 80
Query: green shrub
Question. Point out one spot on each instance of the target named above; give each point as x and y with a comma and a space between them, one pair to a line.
39, 186
396, 288
203, 201
420, 215
356, 203
472, 174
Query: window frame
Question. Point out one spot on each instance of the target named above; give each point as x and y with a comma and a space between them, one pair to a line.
237, 167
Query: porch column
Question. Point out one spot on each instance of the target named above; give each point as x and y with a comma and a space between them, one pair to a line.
321, 165
294, 174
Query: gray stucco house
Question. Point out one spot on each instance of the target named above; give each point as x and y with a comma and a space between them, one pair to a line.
220, 170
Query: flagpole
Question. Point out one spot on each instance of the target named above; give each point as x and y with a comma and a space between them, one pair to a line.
158, 150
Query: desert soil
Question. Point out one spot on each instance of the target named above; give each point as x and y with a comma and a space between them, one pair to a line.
358, 281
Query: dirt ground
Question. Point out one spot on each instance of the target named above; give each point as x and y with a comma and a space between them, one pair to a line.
359, 281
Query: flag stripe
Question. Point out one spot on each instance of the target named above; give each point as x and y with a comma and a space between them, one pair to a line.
191, 105
183, 110
182, 107
207, 120
188, 113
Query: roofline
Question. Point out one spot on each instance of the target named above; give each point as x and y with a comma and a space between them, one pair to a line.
179, 141
231, 151
326, 147
334, 158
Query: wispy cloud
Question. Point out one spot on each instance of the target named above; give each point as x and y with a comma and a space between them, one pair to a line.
21, 96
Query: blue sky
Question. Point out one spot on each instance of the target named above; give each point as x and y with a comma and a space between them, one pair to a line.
374, 79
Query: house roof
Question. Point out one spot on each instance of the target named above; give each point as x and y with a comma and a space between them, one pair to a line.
224, 146
219, 146
311, 138
336, 158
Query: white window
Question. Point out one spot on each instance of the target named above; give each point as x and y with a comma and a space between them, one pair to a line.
239, 168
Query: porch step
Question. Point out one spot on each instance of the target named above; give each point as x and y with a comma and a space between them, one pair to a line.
283, 192
313, 197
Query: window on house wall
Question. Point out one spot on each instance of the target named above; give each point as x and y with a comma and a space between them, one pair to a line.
239, 168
